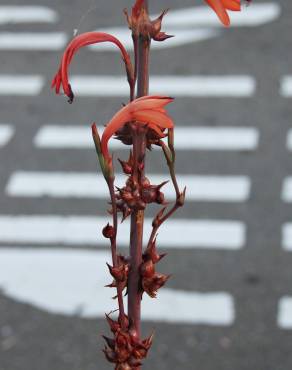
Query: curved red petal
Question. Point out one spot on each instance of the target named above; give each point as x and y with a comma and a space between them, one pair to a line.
152, 102
78, 42
118, 121
220, 10
234, 5
154, 117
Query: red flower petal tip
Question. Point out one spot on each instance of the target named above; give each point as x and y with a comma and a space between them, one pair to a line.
220, 7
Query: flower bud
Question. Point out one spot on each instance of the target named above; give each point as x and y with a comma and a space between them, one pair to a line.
147, 269
108, 231
127, 169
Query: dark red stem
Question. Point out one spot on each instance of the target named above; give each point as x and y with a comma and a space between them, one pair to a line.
137, 218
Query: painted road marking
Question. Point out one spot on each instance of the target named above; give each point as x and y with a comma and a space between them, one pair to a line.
286, 86
237, 86
21, 85
86, 230
284, 318
92, 185
287, 190
32, 41
6, 133
287, 236
289, 140
27, 14
72, 283
186, 138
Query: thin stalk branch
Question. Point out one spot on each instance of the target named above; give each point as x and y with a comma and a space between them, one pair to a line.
161, 217
110, 183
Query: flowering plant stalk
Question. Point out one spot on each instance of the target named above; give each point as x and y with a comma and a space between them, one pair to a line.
142, 123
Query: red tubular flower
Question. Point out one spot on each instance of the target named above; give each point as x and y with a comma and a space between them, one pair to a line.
88, 38
148, 110
220, 7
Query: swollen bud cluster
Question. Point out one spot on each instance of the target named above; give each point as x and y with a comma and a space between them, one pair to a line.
124, 349
134, 195
140, 23
151, 280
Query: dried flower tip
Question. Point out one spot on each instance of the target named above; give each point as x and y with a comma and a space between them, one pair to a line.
114, 325
181, 199
155, 30
110, 342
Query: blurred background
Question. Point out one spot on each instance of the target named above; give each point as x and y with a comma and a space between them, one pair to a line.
228, 305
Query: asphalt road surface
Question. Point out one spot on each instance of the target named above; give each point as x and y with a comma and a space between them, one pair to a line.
228, 305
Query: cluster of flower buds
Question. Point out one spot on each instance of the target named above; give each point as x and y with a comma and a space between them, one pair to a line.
125, 135
124, 349
150, 279
134, 195
140, 23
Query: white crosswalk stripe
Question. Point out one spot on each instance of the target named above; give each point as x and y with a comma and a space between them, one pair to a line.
284, 318
86, 230
286, 86
21, 85
91, 185
289, 140
287, 190
32, 41
186, 138
287, 236
37, 277
179, 86
6, 133
26, 14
